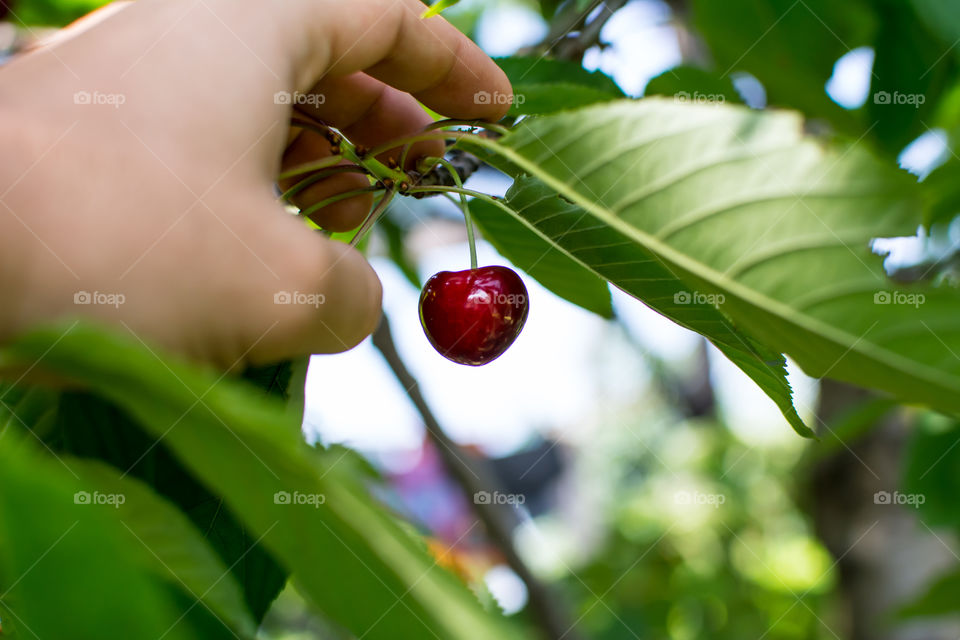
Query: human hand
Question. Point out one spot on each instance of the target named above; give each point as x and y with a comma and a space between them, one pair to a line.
139, 158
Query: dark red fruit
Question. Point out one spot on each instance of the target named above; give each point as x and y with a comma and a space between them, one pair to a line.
473, 316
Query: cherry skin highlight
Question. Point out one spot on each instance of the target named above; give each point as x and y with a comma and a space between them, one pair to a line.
473, 316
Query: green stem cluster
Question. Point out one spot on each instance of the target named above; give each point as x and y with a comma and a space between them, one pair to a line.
464, 207
389, 179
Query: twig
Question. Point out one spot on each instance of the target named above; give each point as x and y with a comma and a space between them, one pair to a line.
571, 19
466, 164
589, 36
474, 476
693, 50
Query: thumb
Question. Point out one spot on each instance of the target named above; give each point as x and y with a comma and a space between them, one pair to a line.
325, 298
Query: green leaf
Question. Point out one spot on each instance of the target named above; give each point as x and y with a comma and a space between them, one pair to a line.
791, 47
90, 426
548, 8
910, 72
248, 450
70, 570
947, 114
437, 7
533, 99
941, 191
740, 204
24, 407
171, 546
537, 70
542, 86
296, 388
691, 84
52, 13
273, 379
624, 263
939, 600
932, 469
942, 18
85, 425
553, 269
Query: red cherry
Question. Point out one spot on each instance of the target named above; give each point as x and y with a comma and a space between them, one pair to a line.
473, 316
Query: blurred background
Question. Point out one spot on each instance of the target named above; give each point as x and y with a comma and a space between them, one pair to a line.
618, 478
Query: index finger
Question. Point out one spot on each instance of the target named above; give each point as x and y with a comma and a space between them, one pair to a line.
387, 39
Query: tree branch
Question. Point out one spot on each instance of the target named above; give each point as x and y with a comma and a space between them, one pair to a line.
465, 164
473, 475
589, 36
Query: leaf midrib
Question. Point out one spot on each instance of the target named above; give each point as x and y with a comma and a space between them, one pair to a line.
557, 247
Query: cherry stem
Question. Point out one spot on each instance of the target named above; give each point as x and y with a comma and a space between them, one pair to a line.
317, 177
310, 167
497, 202
346, 195
464, 206
349, 151
440, 124
421, 137
373, 217
404, 153
437, 188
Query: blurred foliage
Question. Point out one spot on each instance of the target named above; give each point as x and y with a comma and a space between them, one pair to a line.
543, 86
796, 60
933, 459
702, 537
50, 13
247, 450
689, 83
